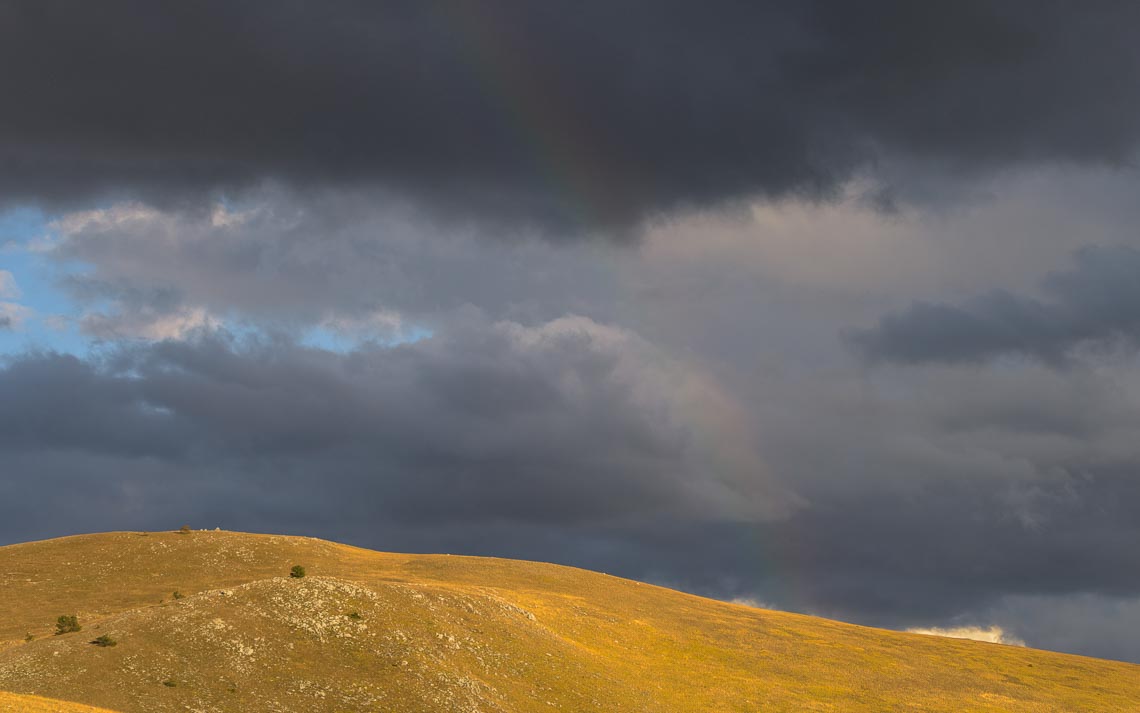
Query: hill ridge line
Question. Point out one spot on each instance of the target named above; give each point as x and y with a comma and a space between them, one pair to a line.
368, 630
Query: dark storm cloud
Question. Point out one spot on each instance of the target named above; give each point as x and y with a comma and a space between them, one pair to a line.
951, 546
935, 495
896, 558
569, 422
1074, 623
1096, 304
567, 114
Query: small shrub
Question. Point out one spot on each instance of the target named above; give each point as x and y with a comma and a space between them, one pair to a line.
66, 624
170, 683
297, 572
104, 641
178, 595
28, 636
184, 530
355, 616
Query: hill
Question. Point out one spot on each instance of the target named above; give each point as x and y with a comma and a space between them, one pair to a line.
15, 703
372, 631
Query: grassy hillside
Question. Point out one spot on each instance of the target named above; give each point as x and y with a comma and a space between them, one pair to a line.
15, 703
370, 631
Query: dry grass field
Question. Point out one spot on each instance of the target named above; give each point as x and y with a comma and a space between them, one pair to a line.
372, 631
15, 703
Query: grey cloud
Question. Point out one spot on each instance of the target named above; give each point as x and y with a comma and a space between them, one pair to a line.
571, 116
292, 260
1084, 624
934, 494
963, 546
568, 422
1094, 305
13, 315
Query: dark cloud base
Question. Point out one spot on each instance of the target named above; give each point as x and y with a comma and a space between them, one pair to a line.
566, 116
570, 422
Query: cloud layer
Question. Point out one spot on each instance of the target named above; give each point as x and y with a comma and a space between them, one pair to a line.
1094, 305
572, 116
571, 422
342, 261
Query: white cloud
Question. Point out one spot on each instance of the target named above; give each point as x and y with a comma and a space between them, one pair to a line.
754, 603
144, 324
13, 316
58, 322
8, 287
119, 215
382, 322
994, 634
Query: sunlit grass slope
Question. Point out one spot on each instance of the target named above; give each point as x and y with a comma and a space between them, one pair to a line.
370, 631
15, 703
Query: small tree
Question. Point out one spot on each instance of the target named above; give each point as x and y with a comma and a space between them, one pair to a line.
184, 530
297, 572
66, 624
104, 641
178, 595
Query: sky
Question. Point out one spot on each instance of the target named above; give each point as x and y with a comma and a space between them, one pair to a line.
823, 306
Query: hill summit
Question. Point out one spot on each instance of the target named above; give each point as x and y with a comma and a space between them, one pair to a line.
373, 631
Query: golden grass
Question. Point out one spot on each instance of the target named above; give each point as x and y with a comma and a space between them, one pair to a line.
14, 703
443, 633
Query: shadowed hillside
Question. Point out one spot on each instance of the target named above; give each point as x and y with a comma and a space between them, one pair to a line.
368, 631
